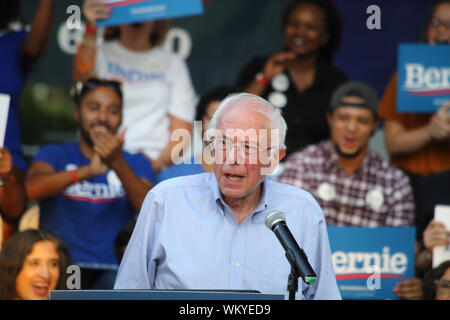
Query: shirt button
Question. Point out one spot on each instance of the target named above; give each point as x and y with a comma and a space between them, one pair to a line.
238, 231
237, 265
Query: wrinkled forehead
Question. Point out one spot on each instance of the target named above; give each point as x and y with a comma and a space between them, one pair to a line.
244, 114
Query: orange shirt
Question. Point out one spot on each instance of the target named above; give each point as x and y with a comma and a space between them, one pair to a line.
433, 158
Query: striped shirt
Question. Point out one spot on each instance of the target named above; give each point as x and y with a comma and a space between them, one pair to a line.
376, 194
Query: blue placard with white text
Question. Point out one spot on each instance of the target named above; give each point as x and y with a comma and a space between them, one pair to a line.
423, 77
133, 11
368, 262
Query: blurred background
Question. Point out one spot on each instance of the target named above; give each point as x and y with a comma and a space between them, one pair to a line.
216, 46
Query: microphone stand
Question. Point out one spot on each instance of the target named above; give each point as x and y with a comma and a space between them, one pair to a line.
292, 285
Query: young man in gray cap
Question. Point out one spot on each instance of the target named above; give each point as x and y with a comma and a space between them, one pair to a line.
353, 185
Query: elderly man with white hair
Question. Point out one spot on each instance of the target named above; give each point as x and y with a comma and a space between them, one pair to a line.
207, 231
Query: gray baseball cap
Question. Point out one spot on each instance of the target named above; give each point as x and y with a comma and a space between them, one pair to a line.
354, 88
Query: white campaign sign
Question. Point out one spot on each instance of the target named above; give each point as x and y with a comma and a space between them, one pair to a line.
4, 108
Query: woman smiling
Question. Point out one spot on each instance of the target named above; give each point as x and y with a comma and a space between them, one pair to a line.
32, 263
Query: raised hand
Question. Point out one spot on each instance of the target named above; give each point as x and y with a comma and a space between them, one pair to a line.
108, 146
410, 289
96, 166
5, 163
94, 10
435, 235
277, 63
439, 126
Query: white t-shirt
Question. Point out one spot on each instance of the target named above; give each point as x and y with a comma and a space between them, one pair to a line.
156, 84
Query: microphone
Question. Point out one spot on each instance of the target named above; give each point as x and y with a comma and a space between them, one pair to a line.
276, 221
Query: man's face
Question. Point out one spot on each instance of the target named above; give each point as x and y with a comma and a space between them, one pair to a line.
99, 111
351, 127
239, 172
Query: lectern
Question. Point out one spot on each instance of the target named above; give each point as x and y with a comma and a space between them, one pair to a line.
162, 295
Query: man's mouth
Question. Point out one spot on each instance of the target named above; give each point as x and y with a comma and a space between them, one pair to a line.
349, 142
233, 177
100, 128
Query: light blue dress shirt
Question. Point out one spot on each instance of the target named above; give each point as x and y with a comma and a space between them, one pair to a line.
186, 237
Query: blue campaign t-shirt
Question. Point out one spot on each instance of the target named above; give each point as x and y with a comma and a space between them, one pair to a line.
182, 169
12, 79
88, 215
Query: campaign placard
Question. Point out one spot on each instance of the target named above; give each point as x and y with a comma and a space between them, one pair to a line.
133, 11
423, 77
368, 262
442, 215
4, 109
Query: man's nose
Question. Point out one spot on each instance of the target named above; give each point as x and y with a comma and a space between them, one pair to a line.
103, 115
233, 155
351, 125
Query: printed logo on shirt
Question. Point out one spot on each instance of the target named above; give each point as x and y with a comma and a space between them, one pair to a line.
96, 192
132, 75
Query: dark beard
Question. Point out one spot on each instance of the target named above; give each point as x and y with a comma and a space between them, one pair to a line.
86, 137
347, 155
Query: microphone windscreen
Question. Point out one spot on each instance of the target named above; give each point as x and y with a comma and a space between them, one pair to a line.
273, 217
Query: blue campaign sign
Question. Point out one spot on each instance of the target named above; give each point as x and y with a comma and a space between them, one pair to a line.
368, 262
423, 77
132, 11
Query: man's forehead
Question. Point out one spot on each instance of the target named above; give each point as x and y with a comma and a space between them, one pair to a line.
353, 99
243, 117
352, 110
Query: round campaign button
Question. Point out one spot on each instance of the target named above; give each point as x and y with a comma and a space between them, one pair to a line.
280, 82
375, 199
278, 99
326, 191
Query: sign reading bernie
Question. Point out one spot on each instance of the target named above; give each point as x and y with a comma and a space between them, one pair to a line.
132, 11
423, 77
368, 262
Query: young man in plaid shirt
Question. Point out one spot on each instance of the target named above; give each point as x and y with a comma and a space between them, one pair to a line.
353, 185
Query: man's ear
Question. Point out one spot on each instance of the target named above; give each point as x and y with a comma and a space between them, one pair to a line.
282, 154
274, 161
76, 114
329, 114
375, 126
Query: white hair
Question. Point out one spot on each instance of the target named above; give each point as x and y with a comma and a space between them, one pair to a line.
257, 104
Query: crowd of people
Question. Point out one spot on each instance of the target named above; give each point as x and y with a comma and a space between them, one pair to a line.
119, 196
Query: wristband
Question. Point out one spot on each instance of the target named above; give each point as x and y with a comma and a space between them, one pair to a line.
73, 174
262, 79
91, 30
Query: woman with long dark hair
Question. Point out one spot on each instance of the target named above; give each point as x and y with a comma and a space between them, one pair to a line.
32, 263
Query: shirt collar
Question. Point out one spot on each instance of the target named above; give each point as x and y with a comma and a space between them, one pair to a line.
218, 197
332, 160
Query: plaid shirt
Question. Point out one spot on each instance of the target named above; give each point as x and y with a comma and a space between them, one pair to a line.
376, 194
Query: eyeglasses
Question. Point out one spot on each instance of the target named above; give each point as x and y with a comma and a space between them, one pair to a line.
79, 89
244, 148
443, 283
436, 23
